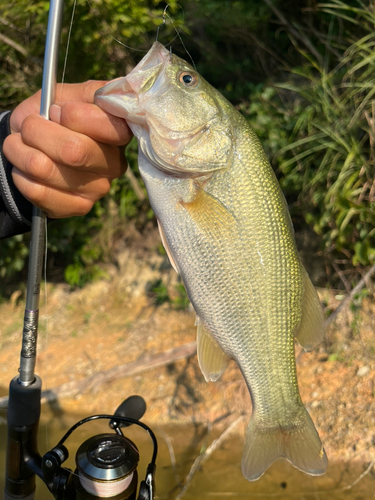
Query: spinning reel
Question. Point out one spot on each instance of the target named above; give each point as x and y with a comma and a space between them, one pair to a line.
106, 464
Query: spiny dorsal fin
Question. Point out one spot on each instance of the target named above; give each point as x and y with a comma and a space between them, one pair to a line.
310, 332
212, 359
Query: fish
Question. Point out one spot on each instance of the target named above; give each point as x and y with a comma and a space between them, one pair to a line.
226, 228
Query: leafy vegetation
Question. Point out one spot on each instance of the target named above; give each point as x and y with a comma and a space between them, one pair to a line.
302, 75
318, 126
161, 293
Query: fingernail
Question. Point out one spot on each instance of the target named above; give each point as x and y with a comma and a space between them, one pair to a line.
55, 113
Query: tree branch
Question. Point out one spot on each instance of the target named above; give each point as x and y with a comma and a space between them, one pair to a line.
134, 184
204, 456
349, 297
71, 389
13, 44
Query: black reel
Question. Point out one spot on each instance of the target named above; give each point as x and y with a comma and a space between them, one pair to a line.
106, 464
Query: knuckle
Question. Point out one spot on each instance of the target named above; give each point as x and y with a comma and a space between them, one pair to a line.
75, 152
37, 194
89, 86
29, 128
38, 166
83, 206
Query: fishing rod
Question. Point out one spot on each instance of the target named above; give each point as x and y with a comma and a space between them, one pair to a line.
106, 464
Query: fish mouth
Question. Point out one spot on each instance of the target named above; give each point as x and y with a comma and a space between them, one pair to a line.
120, 97
142, 77
128, 98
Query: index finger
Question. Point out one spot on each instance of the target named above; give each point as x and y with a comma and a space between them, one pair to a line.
90, 120
78, 92
82, 92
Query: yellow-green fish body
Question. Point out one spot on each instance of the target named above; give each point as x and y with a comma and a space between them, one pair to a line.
226, 228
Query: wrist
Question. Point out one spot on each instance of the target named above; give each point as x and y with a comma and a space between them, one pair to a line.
5, 125
17, 207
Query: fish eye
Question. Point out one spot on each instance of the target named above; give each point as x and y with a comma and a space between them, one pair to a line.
188, 79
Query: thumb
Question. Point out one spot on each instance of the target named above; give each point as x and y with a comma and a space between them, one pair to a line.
55, 113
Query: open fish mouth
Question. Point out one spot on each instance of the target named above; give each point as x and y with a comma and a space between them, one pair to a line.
109, 96
120, 97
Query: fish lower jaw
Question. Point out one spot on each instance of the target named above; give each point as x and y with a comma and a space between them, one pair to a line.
138, 118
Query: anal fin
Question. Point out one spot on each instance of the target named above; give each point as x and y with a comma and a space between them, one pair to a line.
211, 358
310, 332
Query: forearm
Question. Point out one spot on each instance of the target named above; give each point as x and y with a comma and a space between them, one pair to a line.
15, 210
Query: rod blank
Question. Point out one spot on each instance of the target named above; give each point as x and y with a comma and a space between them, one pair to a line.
30, 330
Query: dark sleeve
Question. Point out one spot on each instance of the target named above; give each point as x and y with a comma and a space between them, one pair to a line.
15, 210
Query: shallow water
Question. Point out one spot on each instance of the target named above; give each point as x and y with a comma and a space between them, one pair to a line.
219, 478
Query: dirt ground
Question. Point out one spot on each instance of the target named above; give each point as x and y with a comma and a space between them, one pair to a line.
116, 321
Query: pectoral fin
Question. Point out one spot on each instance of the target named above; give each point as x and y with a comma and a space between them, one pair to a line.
212, 360
310, 332
210, 215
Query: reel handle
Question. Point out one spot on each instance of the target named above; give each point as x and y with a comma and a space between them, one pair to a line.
133, 407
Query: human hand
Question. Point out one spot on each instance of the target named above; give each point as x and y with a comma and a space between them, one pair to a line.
64, 165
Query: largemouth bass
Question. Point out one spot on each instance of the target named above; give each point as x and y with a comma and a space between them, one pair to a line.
225, 225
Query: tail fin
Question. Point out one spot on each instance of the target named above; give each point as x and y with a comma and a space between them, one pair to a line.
301, 446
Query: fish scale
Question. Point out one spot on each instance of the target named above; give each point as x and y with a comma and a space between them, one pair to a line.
226, 229
280, 345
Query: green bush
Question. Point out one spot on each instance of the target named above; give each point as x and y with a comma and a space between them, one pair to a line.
320, 130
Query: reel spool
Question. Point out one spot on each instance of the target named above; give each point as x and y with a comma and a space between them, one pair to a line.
106, 468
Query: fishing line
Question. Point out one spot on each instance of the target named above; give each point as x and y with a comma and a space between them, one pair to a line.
164, 23
109, 34
178, 35
46, 307
67, 47
165, 15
